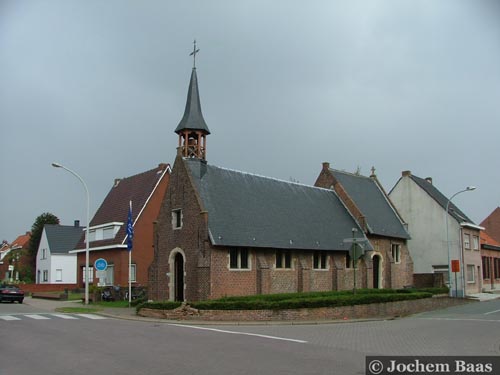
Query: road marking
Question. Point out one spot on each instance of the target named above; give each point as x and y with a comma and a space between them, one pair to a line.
64, 316
463, 319
8, 317
239, 333
491, 312
36, 317
91, 316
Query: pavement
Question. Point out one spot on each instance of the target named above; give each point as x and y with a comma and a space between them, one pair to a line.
129, 313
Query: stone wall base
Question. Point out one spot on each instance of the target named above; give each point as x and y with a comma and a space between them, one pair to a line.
375, 310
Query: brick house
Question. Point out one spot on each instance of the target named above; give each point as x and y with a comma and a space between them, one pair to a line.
17, 255
492, 224
490, 255
389, 265
223, 232
432, 246
108, 228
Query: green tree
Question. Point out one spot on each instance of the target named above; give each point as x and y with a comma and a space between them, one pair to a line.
36, 235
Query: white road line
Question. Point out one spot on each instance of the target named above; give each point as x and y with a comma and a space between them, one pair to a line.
239, 333
64, 316
491, 312
36, 317
8, 317
463, 319
92, 316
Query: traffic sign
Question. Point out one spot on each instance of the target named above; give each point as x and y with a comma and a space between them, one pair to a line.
101, 264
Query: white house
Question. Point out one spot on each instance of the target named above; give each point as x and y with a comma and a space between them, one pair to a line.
54, 263
433, 247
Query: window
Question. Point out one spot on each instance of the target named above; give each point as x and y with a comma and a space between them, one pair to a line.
486, 267
133, 274
177, 219
45, 275
470, 274
319, 260
475, 242
91, 274
238, 258
396, 252
59, 275
44, 253
283, 259
348, 260
467, 241
108, 233
110, 274
496, 267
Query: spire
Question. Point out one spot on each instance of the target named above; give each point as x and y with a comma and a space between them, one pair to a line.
192, 128
193, 118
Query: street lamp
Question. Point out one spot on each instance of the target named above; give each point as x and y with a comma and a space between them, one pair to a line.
468, 188
87, 237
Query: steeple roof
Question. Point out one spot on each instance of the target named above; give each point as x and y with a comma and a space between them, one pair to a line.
193, 118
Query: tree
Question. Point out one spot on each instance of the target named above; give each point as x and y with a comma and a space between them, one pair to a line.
36, 235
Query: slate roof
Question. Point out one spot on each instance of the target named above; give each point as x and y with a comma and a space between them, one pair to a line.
193, 118
439, 197
254, 211
114, 208
492, 224
62, 238
381, 217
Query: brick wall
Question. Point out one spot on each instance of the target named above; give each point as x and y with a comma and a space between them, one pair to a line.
33, 288
376, 310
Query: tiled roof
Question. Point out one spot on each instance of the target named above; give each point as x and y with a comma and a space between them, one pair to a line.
255, 211
62, 238
114, 208
439, 197
21, 241
488, 242
381, 217
492, 224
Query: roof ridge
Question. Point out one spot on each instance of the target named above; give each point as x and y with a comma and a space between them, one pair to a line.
270, 178
351, 174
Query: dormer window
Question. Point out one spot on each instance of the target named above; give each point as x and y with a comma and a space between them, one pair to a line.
177, 219
106, 231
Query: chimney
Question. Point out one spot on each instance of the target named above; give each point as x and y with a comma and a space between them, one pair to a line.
77, 223
326, 165
406, 173
117, 181
429, 180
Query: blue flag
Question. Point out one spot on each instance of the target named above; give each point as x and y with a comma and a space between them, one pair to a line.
130, 229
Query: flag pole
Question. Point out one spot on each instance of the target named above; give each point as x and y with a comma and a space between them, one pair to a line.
129, 246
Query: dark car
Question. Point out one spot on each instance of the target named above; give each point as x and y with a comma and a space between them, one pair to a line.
11, 293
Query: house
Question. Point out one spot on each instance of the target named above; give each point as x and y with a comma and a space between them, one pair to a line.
433, 246
223, 232
15, 260
492, 224
389, 265
54, 262
108, 236
490, 254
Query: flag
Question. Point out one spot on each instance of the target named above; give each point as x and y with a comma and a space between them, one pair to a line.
130, 228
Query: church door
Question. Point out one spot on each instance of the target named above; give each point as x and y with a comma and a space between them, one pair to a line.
179, 277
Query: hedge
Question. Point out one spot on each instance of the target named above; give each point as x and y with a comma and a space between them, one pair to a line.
299, 300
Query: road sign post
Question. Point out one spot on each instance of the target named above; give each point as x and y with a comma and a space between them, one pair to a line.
355, 252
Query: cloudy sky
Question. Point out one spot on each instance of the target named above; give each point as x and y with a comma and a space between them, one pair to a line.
100, 86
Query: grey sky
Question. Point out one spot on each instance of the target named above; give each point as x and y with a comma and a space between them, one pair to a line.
100, 86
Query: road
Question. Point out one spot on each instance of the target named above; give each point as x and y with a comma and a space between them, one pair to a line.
55, 345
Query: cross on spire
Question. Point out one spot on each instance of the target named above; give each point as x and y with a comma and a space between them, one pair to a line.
195, 51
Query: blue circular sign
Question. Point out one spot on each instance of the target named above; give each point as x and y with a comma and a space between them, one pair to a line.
101, 264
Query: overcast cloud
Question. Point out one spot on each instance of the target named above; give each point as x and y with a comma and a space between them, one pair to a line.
100, 86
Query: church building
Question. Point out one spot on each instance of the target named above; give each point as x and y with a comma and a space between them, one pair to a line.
222, 232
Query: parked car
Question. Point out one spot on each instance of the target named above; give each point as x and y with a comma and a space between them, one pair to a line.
11, 293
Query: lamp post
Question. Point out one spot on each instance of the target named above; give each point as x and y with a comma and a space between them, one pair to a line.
468, 188
57, 165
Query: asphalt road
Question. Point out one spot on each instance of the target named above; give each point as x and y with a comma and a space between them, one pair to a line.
56, 345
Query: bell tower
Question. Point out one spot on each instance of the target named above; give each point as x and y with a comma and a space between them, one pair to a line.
192, 129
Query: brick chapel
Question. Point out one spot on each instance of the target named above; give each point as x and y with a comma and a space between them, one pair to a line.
222, 232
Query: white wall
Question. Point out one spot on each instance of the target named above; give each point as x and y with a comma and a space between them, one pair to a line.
66, 263
42, 264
